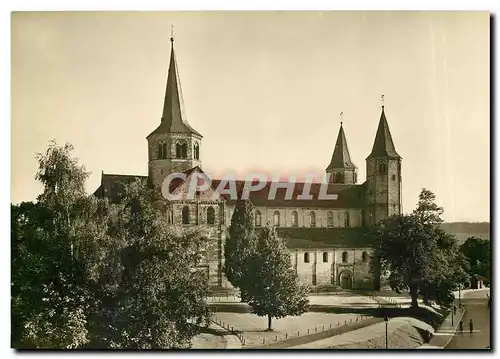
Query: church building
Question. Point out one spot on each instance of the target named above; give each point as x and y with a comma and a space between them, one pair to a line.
326, 238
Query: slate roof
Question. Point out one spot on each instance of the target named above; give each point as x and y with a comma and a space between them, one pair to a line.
347, 196
173, 115
383, 145
341, 157
325, 237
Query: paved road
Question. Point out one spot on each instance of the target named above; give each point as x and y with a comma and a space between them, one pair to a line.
475, 304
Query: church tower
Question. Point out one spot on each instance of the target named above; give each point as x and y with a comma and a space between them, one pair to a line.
173, 146
341, 169
383, 176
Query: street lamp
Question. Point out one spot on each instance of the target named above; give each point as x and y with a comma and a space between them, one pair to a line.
386, 320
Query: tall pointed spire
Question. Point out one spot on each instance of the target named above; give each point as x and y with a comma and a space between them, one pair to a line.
383, 145
173, 117
341, 157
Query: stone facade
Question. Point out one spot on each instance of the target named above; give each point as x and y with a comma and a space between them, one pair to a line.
331, 250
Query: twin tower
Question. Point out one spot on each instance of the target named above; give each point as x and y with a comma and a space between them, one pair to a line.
174, 146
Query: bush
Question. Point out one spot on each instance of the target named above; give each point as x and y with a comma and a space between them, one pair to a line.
325, 288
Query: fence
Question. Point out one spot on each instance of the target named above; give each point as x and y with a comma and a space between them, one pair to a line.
273, 338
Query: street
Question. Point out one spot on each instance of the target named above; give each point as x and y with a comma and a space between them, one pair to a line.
476, 308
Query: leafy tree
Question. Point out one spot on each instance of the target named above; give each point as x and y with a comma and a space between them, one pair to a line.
478, 253
427, 210
51, 293
240, 245
419, 255
160, 300
405, 251
274, 290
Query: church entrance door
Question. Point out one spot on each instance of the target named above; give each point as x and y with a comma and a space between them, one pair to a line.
345, 280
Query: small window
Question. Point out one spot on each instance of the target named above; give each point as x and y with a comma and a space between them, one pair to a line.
196, 151
306, 257
329, 219
325, 257
210, 215
393, 177
185, 215
364, 257
381, 168
346, 220
162, 150
276, 218
258, 219
312, 219
345, 257
295, 219
339, 177
181, 150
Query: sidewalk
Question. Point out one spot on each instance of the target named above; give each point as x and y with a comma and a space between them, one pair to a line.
445, 332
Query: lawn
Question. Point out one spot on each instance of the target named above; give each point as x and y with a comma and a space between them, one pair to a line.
254, 327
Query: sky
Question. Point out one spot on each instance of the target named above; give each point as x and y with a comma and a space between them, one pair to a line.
265, 89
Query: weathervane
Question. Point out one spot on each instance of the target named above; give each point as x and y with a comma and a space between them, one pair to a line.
172, 33
341, 117
382, 100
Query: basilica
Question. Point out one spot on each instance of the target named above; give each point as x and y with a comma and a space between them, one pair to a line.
326, 238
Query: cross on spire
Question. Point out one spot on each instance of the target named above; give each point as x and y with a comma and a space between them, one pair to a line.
172, 33
341, 117
382, 100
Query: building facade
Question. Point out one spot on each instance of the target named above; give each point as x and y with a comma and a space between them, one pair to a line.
326, 238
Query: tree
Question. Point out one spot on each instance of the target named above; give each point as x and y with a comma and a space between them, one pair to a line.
51, 293
427, 210
478, 253
419, 255
405, 250
160, 301
240, 245
274, 290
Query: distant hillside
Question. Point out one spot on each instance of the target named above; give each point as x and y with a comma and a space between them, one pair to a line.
464, 230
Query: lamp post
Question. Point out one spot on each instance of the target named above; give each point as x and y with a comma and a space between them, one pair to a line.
386, 320
459, 287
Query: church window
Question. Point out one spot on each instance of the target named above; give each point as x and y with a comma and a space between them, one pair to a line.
393, 177
346, 220
306, 257
276, 218
162, 150
181, 150
345, 257
339, 177
295, 219
325, 257
196, 151
312, 219
210, 215
329, 219
364, 257
381, 168
185, 215
258, 219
